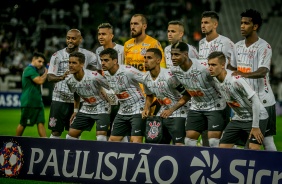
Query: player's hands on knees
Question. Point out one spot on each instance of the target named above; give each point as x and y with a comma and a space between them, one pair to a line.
257, 134
145, 113
72, 117
166, 113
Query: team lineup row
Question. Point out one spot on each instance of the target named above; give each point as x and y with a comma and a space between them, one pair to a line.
176, 94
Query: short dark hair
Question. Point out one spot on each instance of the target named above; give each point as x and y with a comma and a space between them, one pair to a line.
39, 54
156, 52
181, 46
79, 55
219, 55
176, 22
254, 15
105, 25
211, 14
143, 18
112, 53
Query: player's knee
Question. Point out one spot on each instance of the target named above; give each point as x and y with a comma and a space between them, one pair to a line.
101, 138
70, 137
190, 142
214, 142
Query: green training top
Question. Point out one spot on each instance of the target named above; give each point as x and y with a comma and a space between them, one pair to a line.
31, 92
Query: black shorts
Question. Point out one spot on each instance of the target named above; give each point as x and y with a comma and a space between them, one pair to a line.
176, 128
123, 124
60, 114
271, 123
240, 130
85, 122
207, 120
32, 115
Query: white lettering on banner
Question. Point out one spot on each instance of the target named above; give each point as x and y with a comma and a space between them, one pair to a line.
276, 176
126, 156
110, 166
103, 159
84, 164
10, 100
65, 163
32, 158
9, 82
54, 164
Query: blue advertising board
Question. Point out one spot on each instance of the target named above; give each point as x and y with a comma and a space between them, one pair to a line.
10, 99
110, 162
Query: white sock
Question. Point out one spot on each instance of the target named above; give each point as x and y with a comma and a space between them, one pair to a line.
101, 138
190, 142
268, 143
54, 137
124, 139
214, 142
70, 137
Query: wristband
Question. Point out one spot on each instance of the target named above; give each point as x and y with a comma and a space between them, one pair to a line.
75, 110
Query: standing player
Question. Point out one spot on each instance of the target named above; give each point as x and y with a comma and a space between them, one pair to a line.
213, 42
61, 108
175, 33
135, 48
208, 109
172, 96
253, 59
32, 107
105, 37
124, 81
250, 119
88, 85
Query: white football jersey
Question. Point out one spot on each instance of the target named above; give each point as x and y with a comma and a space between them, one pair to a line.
237, 93
201, 86
90, 90
164, 88
120, 50
125, 84
59, 64
192, 53
249, 59
221, 43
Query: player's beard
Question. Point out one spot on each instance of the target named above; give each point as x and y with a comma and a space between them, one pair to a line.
208, 33
136, 34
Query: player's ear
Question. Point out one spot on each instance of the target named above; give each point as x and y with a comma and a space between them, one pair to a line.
145, 26
255, 27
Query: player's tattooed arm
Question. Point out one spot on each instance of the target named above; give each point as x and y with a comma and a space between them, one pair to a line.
75, 106
148, 103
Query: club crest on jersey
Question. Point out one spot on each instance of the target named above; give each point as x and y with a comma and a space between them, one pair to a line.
154, 130
213, 48
251, 54
52, 122
143, 51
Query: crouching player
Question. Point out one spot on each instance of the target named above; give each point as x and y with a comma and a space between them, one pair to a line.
88, 85
250, 119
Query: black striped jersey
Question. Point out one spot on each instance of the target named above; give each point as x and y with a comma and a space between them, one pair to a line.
59, 64
120, 50
125, 84
192, 53
237, 93
249, 59
201, 86
221, 43
90, 90
167, 89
